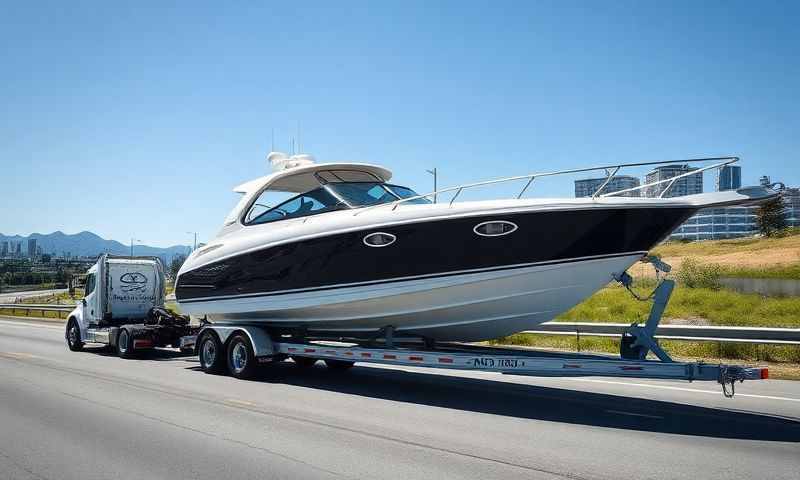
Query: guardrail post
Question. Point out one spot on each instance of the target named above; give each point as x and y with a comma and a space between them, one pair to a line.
578, 339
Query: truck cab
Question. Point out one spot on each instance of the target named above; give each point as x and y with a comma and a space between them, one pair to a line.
123, 305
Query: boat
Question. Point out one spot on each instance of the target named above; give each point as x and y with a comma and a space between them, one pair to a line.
351, 255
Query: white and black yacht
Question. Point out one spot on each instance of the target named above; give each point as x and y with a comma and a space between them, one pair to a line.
350, 254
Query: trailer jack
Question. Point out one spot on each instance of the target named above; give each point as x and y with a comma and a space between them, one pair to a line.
638, 341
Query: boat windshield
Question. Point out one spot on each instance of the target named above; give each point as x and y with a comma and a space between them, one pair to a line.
333, 196
362, 194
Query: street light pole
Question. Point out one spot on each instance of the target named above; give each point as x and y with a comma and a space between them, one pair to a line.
133, 240
435, 182
195, 240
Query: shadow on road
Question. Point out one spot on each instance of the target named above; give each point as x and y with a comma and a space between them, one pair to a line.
158, 355
538, 403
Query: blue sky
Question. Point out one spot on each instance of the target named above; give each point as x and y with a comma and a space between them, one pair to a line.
138, 119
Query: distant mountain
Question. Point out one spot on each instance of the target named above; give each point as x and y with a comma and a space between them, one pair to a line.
88, 244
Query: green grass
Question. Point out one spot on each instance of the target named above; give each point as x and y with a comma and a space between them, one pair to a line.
719, 307
778, 271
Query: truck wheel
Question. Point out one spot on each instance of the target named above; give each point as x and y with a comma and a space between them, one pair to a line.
210, 352
73, 336
124, 344
339, 365
241, 357
304, 362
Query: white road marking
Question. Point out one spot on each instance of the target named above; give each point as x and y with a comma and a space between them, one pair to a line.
17, 355
619, 412
239, 403
681, 389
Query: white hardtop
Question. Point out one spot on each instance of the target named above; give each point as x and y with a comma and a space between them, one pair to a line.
302, 179
297, 179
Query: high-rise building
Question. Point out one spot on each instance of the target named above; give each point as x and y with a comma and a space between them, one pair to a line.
4, 248
717, 223
587, 187
688, 185
729, 177
791, 197
18, 249
31, 247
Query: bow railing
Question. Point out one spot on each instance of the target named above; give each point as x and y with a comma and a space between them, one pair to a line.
611, 172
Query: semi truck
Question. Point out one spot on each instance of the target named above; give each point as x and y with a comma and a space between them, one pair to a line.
123, 308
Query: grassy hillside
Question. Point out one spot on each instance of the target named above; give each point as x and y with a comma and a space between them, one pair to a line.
748, 257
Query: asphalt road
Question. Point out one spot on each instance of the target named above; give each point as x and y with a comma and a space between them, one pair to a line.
88, 415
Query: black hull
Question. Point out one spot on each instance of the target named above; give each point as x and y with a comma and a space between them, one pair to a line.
432, 248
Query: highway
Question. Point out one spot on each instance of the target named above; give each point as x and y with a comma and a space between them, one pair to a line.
88, 415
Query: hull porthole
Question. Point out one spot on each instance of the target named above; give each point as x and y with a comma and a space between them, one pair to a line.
379, 239
495, 228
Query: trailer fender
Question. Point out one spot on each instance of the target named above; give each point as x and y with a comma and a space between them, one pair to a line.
263, 345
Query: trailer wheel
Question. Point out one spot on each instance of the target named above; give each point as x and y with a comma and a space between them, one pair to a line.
210, 352
73, 336
304, 362
339, 365
124, 343
242, 362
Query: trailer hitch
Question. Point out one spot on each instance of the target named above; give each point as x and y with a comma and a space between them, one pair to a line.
728, 376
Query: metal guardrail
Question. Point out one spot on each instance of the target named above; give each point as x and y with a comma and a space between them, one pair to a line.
35, 307
764, 335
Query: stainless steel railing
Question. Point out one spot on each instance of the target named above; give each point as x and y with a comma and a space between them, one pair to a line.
612, 171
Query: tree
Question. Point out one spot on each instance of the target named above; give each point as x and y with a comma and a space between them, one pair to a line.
176, 263
771, 217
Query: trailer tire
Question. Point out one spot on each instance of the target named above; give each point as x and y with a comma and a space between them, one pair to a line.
209, 350
242, 363
124, 343
73, 336
339, 365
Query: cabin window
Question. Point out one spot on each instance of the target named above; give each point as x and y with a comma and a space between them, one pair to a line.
362, 194
89, 288
309, 203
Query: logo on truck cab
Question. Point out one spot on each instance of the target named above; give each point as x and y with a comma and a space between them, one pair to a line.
133, 282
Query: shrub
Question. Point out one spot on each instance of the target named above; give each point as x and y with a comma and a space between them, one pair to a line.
693, 274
